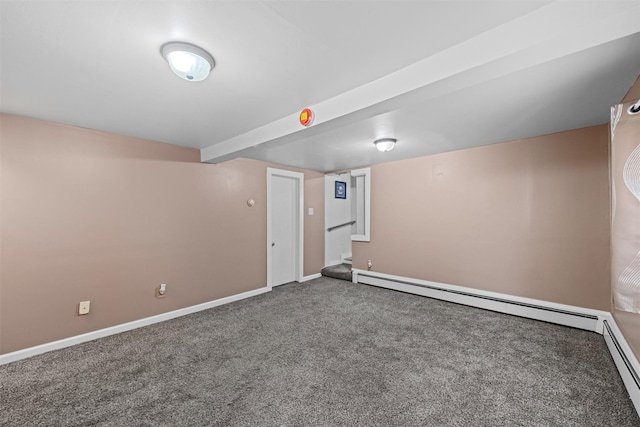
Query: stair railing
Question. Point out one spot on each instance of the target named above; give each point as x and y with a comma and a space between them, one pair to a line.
341, 225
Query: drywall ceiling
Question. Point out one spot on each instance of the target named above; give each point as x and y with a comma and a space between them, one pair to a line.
438, 76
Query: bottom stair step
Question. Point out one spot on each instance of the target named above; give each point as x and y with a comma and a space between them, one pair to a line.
340, 271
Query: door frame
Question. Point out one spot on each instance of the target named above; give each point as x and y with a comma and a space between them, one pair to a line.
366, 173
299, 177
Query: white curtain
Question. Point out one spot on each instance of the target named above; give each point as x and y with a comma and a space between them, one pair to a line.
625, 211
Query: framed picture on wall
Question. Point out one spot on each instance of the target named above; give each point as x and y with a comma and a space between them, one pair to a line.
341, 190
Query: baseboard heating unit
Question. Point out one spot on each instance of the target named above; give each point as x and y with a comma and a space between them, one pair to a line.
524, 307
624, 361
598, 321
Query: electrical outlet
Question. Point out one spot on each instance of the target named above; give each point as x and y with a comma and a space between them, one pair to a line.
83, 307
369, 264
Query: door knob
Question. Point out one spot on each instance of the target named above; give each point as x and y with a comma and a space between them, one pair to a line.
273, 244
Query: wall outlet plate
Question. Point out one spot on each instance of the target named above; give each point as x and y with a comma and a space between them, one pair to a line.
84, 307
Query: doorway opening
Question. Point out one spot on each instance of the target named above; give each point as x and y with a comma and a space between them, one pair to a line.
347, 218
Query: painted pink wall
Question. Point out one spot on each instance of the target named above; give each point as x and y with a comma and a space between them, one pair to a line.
87, 215
313, 224
527, 218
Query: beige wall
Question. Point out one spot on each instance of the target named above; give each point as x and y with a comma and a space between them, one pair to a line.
314, 224
87, 215
527, 218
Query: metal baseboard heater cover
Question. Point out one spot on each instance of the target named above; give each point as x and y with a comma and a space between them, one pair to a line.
629, 375
560, 316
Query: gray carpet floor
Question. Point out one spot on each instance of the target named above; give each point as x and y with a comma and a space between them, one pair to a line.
325, 353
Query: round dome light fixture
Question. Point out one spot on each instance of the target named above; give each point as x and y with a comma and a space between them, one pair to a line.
188, 61
385, 144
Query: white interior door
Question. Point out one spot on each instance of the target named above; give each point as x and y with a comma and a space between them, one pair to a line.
283, 238
284, 232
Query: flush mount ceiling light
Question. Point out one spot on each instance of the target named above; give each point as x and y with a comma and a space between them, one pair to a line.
385, 144
188, 61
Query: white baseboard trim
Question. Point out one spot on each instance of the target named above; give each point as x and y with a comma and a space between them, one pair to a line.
90, 336
310, 277
598, 321
624, 358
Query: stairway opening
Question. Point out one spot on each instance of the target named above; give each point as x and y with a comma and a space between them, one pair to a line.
347, 219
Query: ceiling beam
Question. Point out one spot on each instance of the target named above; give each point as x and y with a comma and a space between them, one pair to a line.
556, 30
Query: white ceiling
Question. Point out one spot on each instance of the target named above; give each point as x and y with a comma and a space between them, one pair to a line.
436, 75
